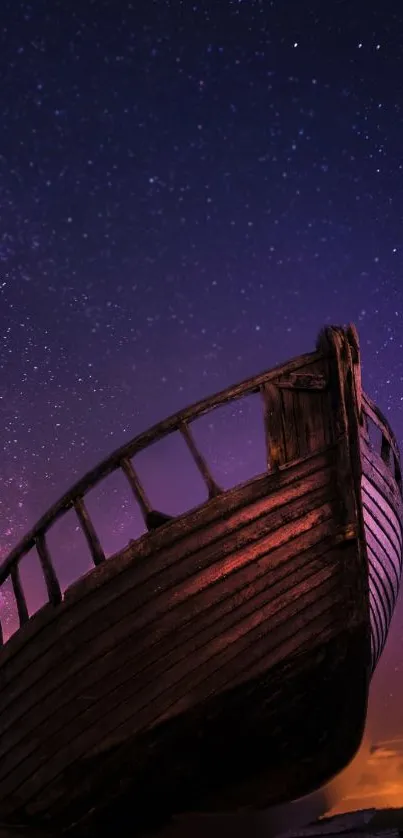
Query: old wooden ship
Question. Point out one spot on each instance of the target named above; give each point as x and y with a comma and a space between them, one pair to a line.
222, 660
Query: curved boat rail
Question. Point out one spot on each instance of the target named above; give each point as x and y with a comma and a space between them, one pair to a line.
121, 459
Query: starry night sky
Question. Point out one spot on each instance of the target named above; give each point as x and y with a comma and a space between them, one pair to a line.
189, 191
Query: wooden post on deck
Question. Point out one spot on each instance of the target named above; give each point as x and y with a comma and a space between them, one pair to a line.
274, 426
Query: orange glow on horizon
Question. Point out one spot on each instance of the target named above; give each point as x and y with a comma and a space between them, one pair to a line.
380, 782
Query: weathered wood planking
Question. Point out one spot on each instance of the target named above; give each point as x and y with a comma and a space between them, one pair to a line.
382, 508
250, 580
234, 631
120, 457
98, 700
124, 715
248, 709
291, 631
139, 606
297, 414
253, 512
185, 535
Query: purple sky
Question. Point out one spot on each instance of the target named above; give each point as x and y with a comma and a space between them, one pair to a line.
188, 192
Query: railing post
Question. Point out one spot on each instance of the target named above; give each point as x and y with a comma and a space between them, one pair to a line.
152, 517
274, 426
51, 580
352, 336
97, 553
136, 487
212, 487
20, 600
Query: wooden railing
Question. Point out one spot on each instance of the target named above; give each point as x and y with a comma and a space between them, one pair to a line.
122, 460
389, 449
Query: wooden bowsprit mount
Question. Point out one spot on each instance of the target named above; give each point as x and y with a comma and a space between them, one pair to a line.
222, 660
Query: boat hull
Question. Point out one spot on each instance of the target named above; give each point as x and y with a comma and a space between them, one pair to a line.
222, 661
216, 775
140, 649
383, 515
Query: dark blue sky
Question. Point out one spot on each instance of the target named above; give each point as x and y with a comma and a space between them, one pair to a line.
188, 192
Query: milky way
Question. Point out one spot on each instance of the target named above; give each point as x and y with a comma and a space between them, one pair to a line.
188, 192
